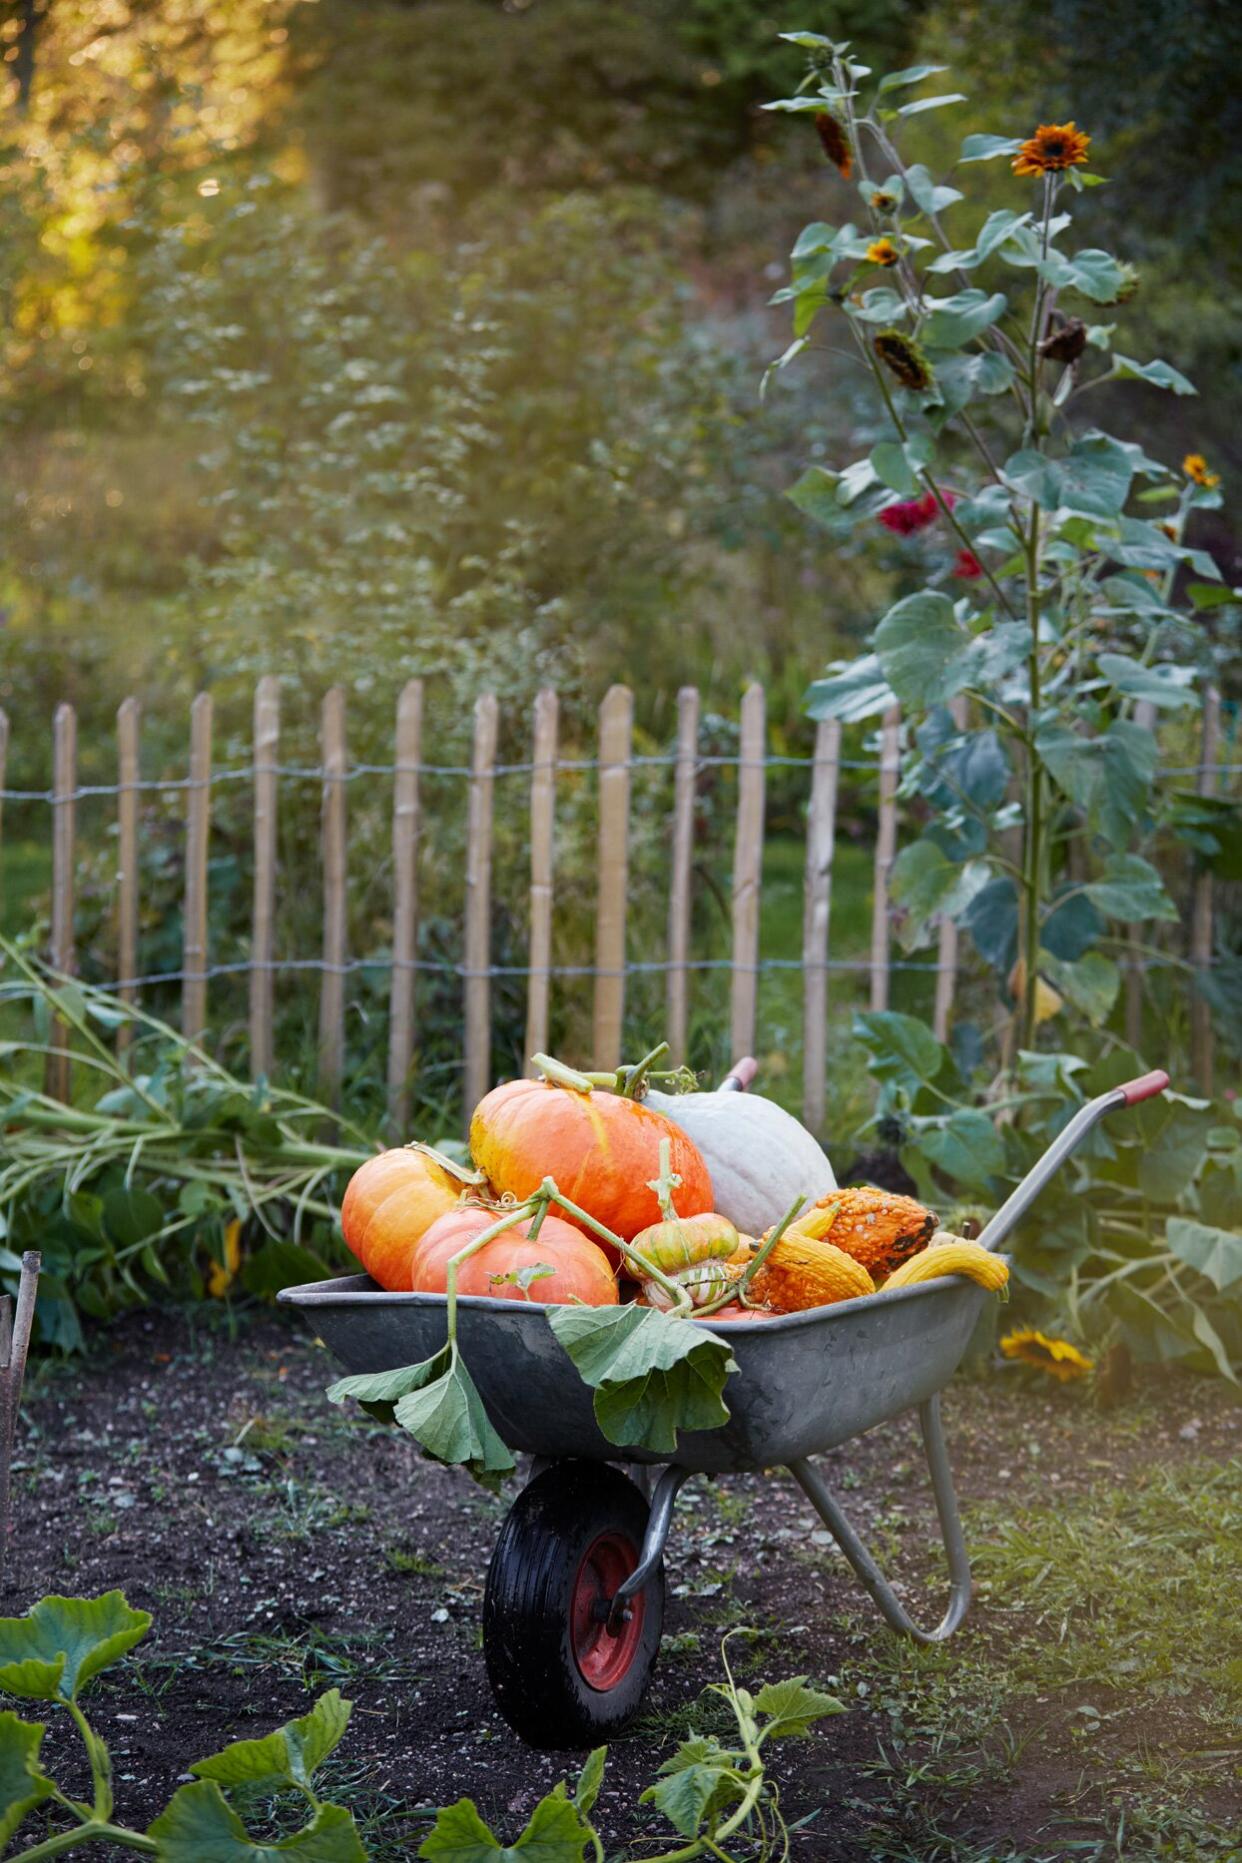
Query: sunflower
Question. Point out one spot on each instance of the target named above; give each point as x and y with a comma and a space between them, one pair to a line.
835, 143
1053, 146
884, 202
883, 252
1195, 467
1057, 1357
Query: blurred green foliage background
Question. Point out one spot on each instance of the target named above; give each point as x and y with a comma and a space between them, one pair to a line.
354, 339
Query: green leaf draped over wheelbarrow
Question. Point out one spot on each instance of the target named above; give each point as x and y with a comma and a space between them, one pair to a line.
652, 1375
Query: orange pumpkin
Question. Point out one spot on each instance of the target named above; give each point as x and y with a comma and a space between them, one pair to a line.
390, 1203
603, 1150
580, 1270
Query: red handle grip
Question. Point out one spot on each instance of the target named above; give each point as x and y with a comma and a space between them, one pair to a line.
740, 1075
1146, 1087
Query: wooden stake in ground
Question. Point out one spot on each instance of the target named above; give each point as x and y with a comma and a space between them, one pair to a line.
14, 1344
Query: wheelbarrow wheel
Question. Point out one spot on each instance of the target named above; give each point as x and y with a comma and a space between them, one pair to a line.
562, 1674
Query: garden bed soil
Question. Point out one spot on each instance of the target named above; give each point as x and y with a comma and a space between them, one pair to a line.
284, 1547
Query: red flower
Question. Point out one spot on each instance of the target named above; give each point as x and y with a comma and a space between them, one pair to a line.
911, 514
967, 565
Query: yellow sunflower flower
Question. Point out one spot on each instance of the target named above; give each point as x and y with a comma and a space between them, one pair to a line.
1195, 467
1053, 146
883, 252
1057, 1357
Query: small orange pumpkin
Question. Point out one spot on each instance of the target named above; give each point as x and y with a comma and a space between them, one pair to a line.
602, 1149
390, 1203
580, 1269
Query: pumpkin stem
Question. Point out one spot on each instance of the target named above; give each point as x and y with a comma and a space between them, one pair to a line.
559, 1075
632, 1081
667, 1182
510, 1219
638, 1265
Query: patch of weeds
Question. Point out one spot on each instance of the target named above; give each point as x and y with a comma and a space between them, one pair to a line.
1104, 1621
404, 1561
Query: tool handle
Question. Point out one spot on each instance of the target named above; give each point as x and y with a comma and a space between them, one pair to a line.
1146, 1087
740, 1075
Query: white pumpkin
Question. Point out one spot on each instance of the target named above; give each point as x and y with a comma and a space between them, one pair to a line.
760, 1157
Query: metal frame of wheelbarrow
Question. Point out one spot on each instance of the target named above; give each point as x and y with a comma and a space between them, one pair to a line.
665, 1491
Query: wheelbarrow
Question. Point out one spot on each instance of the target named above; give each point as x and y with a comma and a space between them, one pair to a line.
573, 1608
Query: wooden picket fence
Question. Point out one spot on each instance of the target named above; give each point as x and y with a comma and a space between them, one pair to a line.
615, 763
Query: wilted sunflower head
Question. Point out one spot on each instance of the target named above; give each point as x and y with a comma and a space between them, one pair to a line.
1057, 1357
1195, 467
1053, 146
903, 358
835, 143
884, 202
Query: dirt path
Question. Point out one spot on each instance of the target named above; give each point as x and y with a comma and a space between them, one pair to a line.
284, 1548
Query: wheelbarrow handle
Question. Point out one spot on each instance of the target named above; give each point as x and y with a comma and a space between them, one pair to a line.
740, 1075
1016, 1206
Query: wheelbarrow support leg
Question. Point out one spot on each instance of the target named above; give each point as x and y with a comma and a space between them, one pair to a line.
830, 1512
655, 1538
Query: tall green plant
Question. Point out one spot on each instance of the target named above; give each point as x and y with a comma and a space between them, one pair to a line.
1062, 605
1070, 597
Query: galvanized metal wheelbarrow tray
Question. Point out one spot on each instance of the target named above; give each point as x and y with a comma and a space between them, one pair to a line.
805, 1383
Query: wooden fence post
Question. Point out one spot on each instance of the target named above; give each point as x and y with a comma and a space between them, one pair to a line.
64, 818
265, 751
405, 831
127, 723
1202, 1036
334, 855
478, 1045
747, 874
817, 906
679, 897
197, 830
542, 854
946, 949
616, 721
1145, 717
885, 852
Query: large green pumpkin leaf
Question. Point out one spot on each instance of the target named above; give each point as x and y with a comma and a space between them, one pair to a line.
1216, 1253
61, 1643
652, 1375
966, 1146
199, 1826
557, 1833
446, 1415
23, 1784
792, 1707
292, 1752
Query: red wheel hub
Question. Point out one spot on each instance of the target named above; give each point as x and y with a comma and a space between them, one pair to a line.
604, 1652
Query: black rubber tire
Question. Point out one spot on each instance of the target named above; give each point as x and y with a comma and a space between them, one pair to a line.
528, 1642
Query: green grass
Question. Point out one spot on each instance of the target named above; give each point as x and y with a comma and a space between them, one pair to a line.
25, 875
1107, 1672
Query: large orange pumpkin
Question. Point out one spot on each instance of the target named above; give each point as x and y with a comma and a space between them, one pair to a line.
581, 1271
603, 1150
390, 1203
